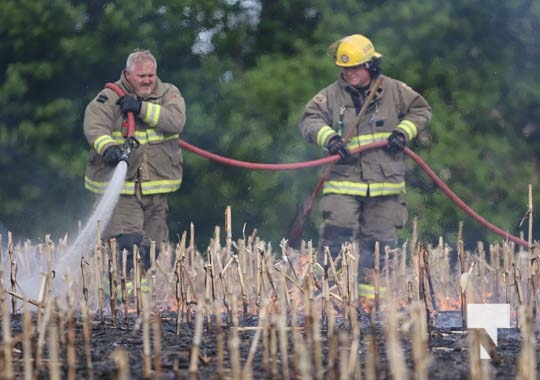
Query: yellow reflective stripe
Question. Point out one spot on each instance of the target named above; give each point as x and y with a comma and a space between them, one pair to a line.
368, 291
361, 189
360, 140
118, 137
93, 186
386, 188
345, 187
152, 136
128, 188
99, 187
324, 134
145, 137
409, 128
152, 114
101, 141
159, 187
143, 284
176, 136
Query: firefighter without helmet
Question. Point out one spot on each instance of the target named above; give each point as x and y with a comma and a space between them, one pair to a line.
354, 50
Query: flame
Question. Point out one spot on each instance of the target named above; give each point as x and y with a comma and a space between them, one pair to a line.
448, 303
366, 304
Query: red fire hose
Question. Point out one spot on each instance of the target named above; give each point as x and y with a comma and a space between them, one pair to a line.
298, 165
131, 142
301, 165
462, 205
131, 118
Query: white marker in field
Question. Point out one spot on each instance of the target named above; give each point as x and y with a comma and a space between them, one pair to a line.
489, 316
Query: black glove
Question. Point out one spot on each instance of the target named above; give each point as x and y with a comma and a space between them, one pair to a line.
129, 103
337, 146
112, 154
396, 142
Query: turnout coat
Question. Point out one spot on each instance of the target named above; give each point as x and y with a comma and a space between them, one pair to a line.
157, 162
375, 172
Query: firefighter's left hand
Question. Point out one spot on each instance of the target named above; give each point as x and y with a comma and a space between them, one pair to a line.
129, 103
396, 142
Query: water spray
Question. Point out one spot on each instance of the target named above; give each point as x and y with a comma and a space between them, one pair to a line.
85, 241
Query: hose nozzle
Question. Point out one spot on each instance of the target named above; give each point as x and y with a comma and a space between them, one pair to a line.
124, 157
130, 144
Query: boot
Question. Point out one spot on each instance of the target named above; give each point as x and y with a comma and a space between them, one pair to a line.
367, 254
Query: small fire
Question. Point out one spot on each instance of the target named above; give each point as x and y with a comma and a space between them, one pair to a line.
448, 303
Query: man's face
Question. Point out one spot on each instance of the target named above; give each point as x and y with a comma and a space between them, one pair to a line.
142, 77
356, 76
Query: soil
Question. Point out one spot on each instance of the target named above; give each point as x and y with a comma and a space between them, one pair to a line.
448, 350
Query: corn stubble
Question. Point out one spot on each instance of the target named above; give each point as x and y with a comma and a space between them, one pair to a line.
311, 321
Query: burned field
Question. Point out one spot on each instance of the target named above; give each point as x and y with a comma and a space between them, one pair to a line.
242, 310
116, 347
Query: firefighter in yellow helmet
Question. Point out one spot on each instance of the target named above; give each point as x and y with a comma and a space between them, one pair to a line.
353, 51
363, 199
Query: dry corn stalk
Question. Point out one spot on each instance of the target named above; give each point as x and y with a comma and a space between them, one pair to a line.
526, 365
121, 364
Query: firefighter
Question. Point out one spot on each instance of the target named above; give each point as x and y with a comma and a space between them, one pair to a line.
363, 199
154, 165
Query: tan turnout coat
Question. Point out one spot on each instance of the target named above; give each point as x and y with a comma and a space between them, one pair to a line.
374, 172
157, 162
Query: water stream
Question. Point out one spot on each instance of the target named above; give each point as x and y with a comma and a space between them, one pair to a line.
86, 240
83, 245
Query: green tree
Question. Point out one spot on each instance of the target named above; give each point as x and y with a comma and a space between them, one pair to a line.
39, 136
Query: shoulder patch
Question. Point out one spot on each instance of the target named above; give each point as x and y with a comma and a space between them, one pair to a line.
102, 98
319, 98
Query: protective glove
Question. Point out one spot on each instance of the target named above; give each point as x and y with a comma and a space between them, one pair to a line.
129, 103
112, 154
337, 146
396, 142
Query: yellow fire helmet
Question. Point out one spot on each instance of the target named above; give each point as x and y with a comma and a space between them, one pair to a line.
353, 50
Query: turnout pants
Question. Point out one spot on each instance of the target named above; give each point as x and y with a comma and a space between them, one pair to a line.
138, 219
365, 220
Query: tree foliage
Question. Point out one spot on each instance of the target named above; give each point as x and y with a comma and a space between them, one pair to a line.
246, 69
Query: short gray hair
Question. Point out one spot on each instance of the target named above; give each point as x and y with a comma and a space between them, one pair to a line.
139, 56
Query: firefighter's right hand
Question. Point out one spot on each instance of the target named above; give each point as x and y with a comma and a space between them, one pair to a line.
337, 146
112, 154
129, 103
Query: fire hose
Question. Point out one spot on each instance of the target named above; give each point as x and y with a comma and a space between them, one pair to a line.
330, 159
419, 161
